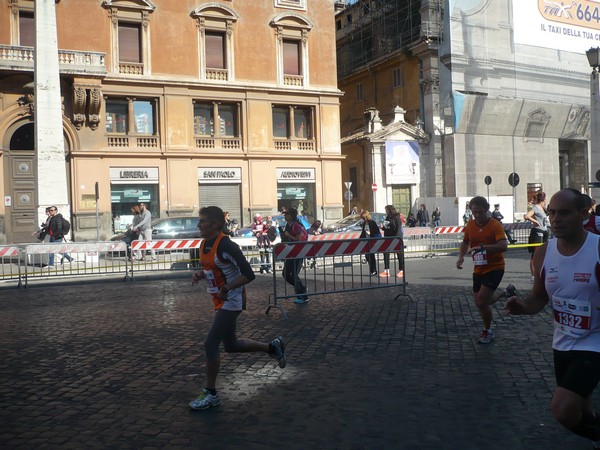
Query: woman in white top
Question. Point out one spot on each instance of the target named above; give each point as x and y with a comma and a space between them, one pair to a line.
538, 217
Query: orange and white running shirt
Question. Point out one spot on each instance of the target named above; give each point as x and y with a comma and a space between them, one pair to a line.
222, 261
574, 292
490, 233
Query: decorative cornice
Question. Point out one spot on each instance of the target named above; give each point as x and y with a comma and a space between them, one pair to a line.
142, 5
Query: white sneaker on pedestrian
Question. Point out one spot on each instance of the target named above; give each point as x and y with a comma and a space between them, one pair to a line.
205, 400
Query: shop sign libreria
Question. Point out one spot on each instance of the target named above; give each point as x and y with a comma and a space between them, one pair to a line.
124, 175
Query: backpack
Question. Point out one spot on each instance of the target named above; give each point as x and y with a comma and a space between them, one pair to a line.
66, 226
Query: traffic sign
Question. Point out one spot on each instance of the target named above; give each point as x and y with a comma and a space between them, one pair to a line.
513, 179
487, 180
348, 184
374, 187
348, 195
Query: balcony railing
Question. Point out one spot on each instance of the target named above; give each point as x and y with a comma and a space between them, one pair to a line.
75, 62
293, 80
294, 145
131, 68
140, 142
216, 74
212, 143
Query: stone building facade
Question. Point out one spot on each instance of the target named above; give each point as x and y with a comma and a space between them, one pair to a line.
500, 87
179, 104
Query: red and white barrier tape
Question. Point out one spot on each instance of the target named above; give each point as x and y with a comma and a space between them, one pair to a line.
166, 244
9, 251
346, 247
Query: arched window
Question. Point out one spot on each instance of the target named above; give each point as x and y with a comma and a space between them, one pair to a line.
292, 48
215, 41
23, 138
130, 35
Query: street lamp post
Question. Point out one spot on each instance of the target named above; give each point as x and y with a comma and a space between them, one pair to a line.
593, 56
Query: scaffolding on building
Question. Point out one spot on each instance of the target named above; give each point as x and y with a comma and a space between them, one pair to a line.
370, 30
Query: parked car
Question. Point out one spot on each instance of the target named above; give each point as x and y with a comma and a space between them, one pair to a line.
353, 222
177, 227
247, 230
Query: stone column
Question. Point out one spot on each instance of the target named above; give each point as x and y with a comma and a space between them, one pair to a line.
379, 196
52, 184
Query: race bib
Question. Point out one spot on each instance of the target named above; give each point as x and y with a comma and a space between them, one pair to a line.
211, 282
572, 317
480, 258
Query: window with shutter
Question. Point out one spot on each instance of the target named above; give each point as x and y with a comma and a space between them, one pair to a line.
291, 57
215, 50
26, 29
129, 43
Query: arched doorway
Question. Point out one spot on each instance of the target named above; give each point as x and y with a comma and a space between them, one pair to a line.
20, 184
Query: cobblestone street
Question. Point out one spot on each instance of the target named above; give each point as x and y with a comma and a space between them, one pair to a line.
114, 365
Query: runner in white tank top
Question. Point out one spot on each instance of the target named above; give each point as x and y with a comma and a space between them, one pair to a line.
572, 285
566, 274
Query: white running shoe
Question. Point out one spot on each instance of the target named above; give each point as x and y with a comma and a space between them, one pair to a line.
486, 337
279, 353
205, 400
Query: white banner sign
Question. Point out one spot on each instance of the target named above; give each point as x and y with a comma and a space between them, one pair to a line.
573, 25
402, 162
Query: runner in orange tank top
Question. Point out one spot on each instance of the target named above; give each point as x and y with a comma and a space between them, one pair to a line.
226, 271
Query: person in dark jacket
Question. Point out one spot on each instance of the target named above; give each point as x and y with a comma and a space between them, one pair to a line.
423, 216
43, 231
55, 229
392, 227
373, 231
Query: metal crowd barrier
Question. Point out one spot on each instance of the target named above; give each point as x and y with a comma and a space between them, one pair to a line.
332, 266
25, 262
433, 242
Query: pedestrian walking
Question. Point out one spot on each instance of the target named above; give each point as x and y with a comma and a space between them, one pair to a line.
565, 274
314, 230
371, 230
44, 229
436, 216
423, 216
226, 271
496, 214
294, 231
144, 230
467, 215
538, 217
485, 241
56, 229
392, 227
131, 235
